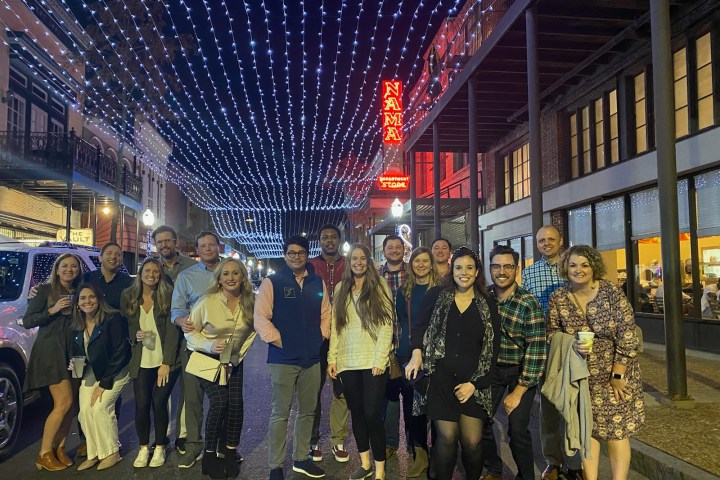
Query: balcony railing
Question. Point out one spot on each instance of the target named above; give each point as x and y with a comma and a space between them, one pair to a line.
65, 153
463, 36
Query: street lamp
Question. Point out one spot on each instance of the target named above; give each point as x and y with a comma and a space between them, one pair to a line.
148, 219
345, 248
397, 210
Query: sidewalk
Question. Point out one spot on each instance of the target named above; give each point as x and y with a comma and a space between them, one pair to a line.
679, 443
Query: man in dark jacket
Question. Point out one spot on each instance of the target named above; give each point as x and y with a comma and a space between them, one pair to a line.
292, 315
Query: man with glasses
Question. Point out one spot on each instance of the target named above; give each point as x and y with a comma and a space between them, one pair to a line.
292, 315
174, 262
520, 364
329, 266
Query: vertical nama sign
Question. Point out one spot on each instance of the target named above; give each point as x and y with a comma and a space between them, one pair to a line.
392, 111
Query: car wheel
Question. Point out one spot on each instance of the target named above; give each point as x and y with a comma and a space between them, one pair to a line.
11, 403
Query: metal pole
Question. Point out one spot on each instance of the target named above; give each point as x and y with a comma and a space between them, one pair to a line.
413, 199
664, 100
536, 200
68, 210
137, 240
472, 157
94, 220
436, 179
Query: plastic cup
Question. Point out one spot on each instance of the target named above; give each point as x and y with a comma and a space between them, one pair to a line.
148, 340
68, 310
78, 366
587, 338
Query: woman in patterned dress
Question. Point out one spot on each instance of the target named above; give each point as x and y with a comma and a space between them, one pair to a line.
589, 303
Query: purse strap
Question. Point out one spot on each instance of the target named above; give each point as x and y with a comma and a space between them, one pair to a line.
409, 310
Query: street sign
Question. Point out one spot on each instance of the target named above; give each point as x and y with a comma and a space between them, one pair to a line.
391, 181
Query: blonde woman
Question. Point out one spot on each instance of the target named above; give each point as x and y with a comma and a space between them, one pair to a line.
51, 310
360, 344
155, 362
223, 319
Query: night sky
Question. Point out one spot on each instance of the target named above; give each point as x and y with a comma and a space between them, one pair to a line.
272, 99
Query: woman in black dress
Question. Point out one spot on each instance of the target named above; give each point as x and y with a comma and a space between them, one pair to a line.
51, 310
457, 344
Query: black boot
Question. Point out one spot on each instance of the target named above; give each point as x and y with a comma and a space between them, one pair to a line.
213, 466
232, 469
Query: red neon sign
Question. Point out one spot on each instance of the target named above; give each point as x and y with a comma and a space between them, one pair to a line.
391, 181
392, 111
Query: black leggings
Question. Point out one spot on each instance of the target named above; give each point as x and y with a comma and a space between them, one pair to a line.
364, 394
225, 411
444, 450
149, 395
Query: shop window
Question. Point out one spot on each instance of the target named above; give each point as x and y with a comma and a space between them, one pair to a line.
707, 187
609, 219
703, 59
580, 226
681, 93
641, 131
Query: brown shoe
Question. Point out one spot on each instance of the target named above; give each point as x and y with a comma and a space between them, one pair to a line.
389, 453
552, 472
81, 450
491, 476
49, 462
62, 457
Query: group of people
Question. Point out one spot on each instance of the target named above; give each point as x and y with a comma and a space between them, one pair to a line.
431, 337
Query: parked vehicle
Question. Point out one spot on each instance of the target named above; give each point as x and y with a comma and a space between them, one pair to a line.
22, 267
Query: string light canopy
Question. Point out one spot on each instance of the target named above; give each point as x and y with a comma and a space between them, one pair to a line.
272, 106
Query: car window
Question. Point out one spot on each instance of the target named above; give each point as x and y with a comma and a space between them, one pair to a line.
12, 274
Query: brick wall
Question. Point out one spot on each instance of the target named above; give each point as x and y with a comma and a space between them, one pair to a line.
38, 208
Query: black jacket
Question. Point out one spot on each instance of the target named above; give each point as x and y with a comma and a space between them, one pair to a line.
108, 351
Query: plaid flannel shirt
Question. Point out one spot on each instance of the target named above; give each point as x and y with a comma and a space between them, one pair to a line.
395, 280
523, 338
541, 279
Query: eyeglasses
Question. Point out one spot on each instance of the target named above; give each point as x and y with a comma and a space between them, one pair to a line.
496, 267
293, 254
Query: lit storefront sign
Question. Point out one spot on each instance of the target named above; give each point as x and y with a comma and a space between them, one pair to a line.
80, 236
392, 111
393, 181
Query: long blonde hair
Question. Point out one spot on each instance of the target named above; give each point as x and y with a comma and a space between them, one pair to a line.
163, 292
411, 279
374, 305
56, 288
247, 297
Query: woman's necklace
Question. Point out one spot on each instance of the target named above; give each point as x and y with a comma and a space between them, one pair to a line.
577, 302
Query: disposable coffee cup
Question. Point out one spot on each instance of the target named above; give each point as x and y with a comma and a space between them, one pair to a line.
148, 340
587, 338
78, 366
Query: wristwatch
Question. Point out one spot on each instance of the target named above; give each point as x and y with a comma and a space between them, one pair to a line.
618, 376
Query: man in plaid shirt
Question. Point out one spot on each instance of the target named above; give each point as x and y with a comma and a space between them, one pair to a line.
520, 363
393, 270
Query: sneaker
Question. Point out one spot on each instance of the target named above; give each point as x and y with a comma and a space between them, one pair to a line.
309, 469
361, 473
141, 461
158, 458
190, 457
277, 474
341, 455
315, 453
180, 445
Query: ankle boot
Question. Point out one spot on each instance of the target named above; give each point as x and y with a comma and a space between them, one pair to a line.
419, 465
49, 462
212, 465
232, 469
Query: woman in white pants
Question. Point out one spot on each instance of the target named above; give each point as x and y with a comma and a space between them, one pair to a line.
101, 339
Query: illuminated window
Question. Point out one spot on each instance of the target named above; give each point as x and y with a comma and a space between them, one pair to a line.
586, 144
681, 93
599, 127
704, 82
641, 133
516, 174
614, 131
574, 159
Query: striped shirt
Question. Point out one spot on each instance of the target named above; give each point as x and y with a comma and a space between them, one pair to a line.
541, 279
523, 339
395, 279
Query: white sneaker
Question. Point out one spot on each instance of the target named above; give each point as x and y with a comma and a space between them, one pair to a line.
158, 458
141, 461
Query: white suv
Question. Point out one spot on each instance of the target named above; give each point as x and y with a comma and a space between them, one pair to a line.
21, 267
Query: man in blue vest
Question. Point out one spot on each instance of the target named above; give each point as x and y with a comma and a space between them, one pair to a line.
292, 315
